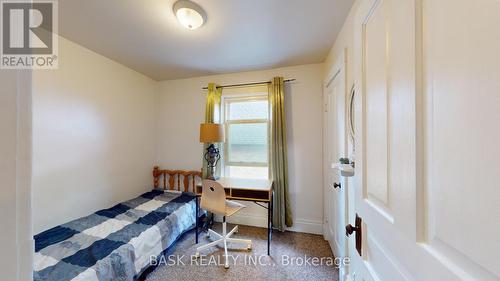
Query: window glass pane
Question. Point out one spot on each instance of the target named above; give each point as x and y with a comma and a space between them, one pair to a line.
248, 172
248, 110
247, 143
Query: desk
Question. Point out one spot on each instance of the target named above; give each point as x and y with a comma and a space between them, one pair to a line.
254, 190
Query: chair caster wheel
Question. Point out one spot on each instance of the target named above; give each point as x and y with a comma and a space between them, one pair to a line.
249, 247
226, 266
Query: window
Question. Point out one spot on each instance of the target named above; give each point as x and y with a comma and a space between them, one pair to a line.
246, 150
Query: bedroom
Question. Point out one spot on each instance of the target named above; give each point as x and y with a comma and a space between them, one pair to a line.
327, 117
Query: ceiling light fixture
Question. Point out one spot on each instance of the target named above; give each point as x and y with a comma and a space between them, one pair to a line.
189, 14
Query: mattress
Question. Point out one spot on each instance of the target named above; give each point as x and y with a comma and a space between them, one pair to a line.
115, 243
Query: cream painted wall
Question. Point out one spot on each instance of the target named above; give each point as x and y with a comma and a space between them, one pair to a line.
182, 108
86, 158
345, 40
93, 135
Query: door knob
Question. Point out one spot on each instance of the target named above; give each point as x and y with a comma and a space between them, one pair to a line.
349, 229
335, 185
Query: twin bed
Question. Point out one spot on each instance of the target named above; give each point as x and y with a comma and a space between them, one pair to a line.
117, 243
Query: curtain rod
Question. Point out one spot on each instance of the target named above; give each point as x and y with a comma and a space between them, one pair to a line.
248, 84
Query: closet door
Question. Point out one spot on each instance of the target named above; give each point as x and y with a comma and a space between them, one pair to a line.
335, 148
427, 140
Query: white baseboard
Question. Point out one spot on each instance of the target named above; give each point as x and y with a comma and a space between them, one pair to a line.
307, 226
328, 235
299, 225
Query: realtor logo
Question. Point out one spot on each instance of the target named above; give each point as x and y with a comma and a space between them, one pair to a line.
29, 34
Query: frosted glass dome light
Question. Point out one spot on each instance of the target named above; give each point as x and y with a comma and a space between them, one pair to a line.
189, 14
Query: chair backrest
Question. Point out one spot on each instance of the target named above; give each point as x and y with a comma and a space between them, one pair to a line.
213, 197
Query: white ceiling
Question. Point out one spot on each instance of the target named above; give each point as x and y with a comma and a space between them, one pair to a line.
239, 35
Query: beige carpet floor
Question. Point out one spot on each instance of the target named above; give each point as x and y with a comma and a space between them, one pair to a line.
292, 258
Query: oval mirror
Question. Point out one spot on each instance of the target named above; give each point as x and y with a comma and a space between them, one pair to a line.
350, 115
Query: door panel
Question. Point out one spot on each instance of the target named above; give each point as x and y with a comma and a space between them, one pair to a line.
463, 109
427, 139
375, 76
336, 147
340, 143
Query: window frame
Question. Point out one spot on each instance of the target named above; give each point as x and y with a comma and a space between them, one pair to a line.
227, 99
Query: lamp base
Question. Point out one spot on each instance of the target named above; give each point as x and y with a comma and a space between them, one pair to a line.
211, 173
214, 178
212, 156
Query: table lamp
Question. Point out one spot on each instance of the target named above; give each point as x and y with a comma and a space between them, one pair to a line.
212, 133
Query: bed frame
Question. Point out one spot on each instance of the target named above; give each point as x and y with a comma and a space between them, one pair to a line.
172, 179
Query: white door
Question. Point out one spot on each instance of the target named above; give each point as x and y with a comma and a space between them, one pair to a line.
427, 75
335, 148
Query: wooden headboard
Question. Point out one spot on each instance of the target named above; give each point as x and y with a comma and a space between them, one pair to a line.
172, 179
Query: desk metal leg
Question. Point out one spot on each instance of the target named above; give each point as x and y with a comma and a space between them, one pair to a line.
197, 218
269, 224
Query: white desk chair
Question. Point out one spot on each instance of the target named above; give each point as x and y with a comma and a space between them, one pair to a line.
213, 199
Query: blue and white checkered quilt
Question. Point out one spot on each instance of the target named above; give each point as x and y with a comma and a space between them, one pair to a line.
116, 243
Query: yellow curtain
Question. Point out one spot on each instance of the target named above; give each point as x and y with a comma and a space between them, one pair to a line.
212, 115
282, 214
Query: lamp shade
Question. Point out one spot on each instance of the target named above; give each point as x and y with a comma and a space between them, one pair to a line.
210, 133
